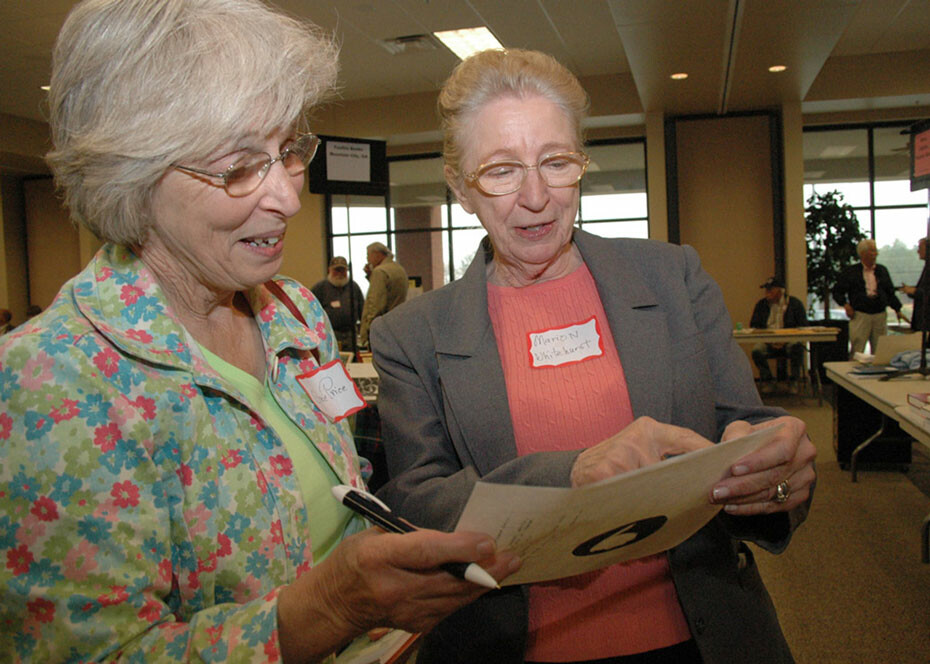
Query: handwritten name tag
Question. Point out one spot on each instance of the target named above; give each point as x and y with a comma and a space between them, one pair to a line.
565, 345
332, 390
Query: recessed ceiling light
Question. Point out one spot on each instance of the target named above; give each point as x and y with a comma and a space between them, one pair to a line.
467, 41
777, 68
680, 76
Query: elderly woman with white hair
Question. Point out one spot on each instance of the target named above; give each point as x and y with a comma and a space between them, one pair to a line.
560, 359
865, 291
167, 465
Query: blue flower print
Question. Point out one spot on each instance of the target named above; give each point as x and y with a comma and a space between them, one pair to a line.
93, 529
95, 410
9, 383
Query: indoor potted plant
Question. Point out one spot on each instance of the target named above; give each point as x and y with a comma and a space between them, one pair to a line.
832, 233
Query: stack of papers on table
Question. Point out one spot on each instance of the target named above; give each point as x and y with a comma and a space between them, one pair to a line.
919, 403
392, 648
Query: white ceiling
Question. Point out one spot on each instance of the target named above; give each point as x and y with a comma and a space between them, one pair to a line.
724, 45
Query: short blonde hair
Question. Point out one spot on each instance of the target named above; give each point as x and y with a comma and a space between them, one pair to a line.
865, 245
491, 74
138, 85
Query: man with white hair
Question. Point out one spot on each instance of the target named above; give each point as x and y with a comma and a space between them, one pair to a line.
387, 287
865, 290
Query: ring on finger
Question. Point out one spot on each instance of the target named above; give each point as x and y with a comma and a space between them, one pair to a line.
782, 491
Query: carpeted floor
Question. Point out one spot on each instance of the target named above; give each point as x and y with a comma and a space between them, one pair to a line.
851, 587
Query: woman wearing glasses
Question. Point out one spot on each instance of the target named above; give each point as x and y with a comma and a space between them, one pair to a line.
562, 358
165, 483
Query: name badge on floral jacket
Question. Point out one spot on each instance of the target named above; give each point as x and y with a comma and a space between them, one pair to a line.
332, 390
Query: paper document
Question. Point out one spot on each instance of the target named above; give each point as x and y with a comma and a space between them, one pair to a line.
560, 532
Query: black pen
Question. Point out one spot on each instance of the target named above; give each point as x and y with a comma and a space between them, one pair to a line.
380, 514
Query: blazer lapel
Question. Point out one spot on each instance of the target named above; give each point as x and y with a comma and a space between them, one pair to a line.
471, 375
639, 327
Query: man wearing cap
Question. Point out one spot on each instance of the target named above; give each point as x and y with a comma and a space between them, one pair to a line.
341, 299
775, 311
865, 290
387, 287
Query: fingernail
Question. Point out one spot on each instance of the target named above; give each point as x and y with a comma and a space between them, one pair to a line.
721, 493
514, 564
740, 470
729, 508
485, 548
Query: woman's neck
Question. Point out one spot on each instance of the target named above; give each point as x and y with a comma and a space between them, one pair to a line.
220, 321
501, 273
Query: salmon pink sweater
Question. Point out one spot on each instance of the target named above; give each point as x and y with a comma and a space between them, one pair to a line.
574, 398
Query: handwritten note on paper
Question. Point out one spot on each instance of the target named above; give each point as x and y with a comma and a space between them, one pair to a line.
565, 345
563, 532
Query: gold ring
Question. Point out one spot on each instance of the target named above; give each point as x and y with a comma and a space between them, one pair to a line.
782, 491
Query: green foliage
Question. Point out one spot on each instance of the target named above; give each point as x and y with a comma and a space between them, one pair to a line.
832, 232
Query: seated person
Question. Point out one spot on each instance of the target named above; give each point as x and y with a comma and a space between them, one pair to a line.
775, 311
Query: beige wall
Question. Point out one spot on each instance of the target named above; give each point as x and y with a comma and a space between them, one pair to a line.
52, 241
13, 286
725, 203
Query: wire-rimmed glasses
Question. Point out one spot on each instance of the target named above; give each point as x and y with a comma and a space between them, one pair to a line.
498, 178
247, 173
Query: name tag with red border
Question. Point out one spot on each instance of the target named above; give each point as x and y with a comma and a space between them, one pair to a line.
332, 390
571, 344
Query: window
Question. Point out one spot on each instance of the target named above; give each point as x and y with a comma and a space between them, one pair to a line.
435, 239
869, 165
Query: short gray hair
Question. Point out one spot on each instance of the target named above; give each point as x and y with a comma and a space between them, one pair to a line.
865, 245
489, 75
138, 85
380, 248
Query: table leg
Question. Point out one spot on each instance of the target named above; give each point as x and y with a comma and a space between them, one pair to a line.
865, 443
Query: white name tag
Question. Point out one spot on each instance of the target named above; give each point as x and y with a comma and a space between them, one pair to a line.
332, 390
565, 345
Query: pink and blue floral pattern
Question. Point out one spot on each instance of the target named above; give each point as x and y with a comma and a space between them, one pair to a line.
146, 512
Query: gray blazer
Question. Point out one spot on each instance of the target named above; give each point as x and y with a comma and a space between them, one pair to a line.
446, 423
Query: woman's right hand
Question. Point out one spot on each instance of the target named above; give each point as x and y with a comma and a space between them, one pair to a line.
642, 443
376, 579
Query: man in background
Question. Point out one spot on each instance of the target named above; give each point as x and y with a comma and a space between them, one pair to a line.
775, 311
865, 290
387, 287
342, 301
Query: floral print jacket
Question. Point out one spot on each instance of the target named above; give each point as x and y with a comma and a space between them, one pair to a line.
146, 512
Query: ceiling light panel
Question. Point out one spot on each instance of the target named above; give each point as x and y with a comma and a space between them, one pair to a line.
467, 41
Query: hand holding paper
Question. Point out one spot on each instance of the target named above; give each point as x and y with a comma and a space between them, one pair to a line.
789, 457
563, 532
642, 443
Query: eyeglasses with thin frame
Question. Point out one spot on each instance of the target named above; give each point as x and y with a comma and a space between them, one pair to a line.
247, 173
499, 178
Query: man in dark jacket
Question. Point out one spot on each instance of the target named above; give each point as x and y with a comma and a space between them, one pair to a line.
776, 311
865, 290
342, 301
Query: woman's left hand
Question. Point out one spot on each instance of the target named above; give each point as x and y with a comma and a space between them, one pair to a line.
776, 478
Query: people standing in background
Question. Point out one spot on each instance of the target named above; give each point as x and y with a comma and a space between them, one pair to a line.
916, 293
342, 301
387, 287
775, 311
865, 290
